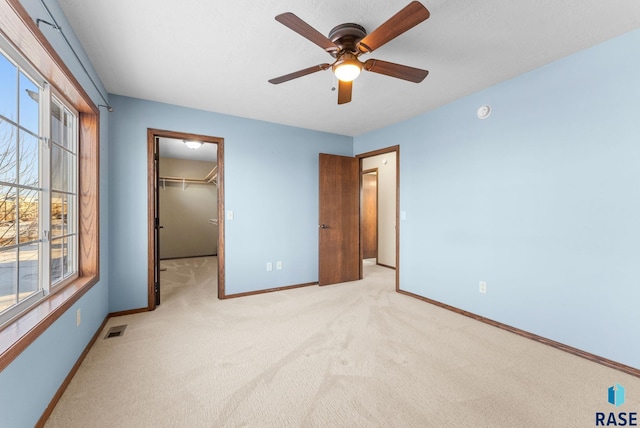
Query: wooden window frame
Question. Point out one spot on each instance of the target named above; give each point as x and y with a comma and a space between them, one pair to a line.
21, 31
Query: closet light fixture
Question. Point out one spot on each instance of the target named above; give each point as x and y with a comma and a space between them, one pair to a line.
193, 144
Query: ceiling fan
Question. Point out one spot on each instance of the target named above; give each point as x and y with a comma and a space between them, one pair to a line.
347, 42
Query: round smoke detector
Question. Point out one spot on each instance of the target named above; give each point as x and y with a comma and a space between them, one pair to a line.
484, 112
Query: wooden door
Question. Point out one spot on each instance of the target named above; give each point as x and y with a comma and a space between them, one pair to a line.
339, 218
370, 215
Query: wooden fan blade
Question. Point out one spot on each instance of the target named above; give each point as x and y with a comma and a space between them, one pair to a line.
290, 20
399, 71
299, 73
412, 14
344, 92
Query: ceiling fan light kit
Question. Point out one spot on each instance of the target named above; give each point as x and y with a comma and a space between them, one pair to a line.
347, 42
347, 68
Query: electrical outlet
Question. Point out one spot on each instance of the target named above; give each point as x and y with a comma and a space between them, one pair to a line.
279, 265
78, 318
482, 287
269, 266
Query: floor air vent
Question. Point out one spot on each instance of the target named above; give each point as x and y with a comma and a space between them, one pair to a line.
116, 331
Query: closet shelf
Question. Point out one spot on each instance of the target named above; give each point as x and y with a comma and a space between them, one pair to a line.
212, 177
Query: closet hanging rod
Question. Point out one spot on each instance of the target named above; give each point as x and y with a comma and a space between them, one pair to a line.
184, 180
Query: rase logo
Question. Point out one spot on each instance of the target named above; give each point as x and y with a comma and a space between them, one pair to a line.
615, 396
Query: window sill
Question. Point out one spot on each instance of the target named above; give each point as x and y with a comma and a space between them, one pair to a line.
17, 335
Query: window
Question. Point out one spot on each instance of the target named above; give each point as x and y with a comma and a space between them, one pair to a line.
70, 246
38, 187
64, 165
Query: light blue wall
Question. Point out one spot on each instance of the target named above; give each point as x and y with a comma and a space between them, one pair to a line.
540, 200
271, 185
28, 384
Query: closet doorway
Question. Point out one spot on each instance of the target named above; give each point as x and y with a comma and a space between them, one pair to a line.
186, 202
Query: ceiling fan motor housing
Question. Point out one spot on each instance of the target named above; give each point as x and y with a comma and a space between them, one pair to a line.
346, 37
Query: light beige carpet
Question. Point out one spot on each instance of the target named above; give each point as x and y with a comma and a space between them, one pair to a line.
348, 355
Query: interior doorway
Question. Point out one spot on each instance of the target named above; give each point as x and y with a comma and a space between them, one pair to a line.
186, 203
369, 214
340, 221
379, 208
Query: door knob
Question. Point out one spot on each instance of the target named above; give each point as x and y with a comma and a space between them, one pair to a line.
323, 226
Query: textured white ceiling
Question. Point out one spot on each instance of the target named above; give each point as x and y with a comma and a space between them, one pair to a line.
218, 55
